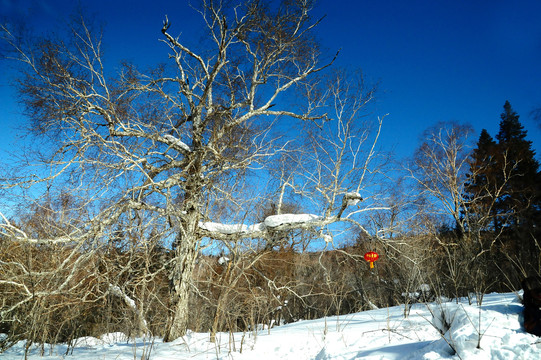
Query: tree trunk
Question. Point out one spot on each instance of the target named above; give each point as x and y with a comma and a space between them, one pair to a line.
222, 298
181, 277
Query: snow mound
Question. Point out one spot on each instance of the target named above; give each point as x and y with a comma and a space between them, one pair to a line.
489, 331
88, 342
115, 337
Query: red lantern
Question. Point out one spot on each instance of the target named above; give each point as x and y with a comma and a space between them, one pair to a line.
371, 256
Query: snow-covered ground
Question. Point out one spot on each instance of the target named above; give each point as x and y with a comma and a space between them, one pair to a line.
377, 334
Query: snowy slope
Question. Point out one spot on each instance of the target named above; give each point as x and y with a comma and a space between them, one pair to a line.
376, 334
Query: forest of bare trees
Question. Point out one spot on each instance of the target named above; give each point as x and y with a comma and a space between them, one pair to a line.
240, 184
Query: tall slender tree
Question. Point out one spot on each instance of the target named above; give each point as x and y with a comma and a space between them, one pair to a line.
481, 185
519, 169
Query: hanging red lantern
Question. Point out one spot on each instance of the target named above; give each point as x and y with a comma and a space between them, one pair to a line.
371, 256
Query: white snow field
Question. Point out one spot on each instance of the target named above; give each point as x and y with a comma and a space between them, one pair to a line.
492, 331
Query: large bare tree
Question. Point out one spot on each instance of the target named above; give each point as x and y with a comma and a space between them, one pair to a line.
190, 147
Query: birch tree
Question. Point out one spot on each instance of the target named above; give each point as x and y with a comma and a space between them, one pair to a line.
183, 147
440, 168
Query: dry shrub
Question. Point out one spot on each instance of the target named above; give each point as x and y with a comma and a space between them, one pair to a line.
53, 294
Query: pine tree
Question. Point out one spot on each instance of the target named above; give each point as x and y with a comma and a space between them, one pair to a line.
519, 171
481, 186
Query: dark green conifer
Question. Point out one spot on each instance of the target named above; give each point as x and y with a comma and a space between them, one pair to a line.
519, 172
503, 192
482, 183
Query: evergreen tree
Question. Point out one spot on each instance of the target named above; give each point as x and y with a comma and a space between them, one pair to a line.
518, 168
510, 127
481, 185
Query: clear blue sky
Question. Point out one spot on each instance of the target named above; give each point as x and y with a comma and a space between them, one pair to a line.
435, 60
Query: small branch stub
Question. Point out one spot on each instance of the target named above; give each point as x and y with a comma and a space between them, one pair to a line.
349, 199
352, 198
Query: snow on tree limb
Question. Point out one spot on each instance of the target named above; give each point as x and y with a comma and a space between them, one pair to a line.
176, 143
231, 229
271, 223
352, 198
117, 291
277, 222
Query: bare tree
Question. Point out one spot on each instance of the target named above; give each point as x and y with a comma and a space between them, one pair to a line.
177, 148
440, 168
